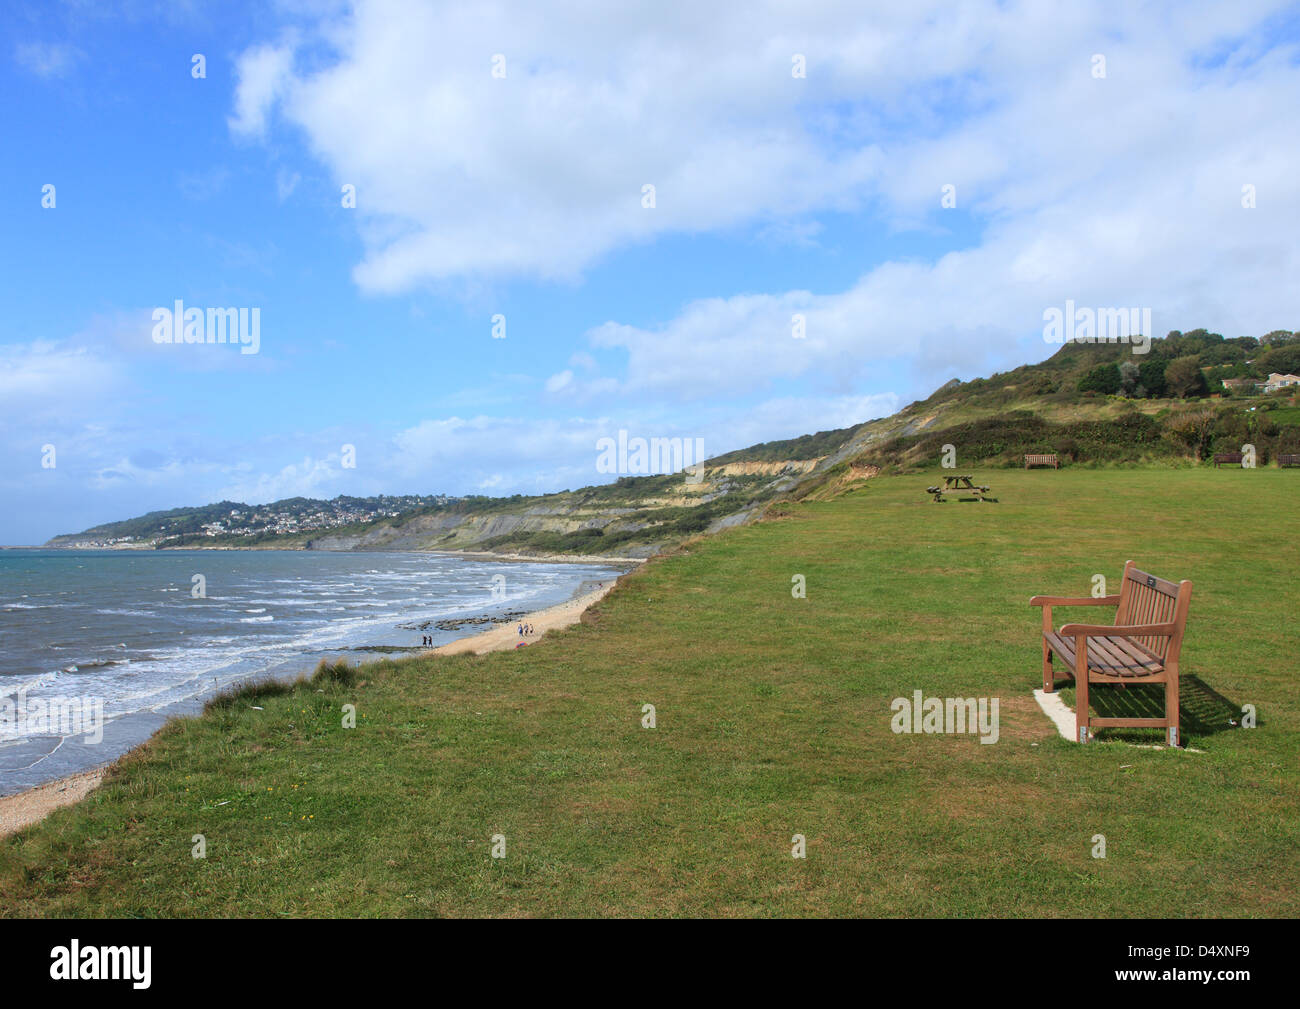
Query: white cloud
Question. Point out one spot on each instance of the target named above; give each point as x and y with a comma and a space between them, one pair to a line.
470, 450
1123, 191
791, 416
559, 381
50, 377
525, 455
540, 173
46, 59
459, 173
312, 477
1116, 191
263, 74
581, 359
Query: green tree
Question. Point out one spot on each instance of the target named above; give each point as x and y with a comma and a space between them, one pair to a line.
1283, 358
1152, 376
1183, 377
1104, 378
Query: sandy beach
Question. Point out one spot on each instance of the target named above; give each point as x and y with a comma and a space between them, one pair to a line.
507, 635
25, 808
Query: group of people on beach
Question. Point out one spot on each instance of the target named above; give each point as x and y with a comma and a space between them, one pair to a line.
525, 631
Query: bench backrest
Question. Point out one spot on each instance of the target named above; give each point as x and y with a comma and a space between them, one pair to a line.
1045, 460
1288, 460
1228, 457
1146, 599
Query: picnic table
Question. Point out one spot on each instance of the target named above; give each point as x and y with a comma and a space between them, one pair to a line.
962, 484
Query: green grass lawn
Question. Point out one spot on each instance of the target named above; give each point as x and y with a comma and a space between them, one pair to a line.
1286, 415
773, 719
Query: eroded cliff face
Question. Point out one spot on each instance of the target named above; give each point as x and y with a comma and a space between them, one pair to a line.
470, 531
467, 531
765, 468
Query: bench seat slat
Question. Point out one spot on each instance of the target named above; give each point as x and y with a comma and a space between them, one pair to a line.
1136, 650
1111, 655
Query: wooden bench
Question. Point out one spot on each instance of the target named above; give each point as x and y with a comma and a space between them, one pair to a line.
1233, 458
1288, 460
1042, 460
1142, 646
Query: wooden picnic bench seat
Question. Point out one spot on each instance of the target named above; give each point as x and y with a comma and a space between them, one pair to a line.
1288, 460
1231, 458
1142, 646
1042, 460
963, 484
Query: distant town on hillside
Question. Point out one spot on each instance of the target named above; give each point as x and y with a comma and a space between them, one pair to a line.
179, 526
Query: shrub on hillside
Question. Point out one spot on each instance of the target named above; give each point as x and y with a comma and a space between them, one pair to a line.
1183, 377
1006, 439
1105, 378
1067, 449
1195, 429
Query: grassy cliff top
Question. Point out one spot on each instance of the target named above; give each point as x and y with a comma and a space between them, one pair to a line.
773, 718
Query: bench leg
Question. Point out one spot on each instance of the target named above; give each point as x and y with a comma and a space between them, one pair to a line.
1171, 711
1081, 690
1049, 677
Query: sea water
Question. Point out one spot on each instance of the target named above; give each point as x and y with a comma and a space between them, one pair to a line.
138, 635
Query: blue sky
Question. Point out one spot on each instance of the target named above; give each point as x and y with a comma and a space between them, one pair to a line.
521, 195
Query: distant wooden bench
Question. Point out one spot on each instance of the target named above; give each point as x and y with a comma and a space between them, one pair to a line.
1288, 460
1231, 458
1142, 646
1041, 460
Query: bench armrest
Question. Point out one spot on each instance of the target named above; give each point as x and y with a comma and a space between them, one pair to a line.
1067, 601
1119, 630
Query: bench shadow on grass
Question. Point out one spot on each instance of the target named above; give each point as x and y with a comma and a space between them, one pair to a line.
1202, 710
